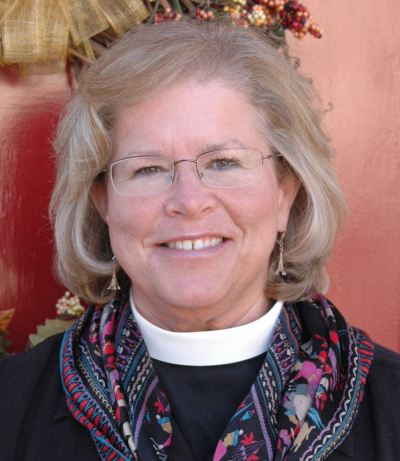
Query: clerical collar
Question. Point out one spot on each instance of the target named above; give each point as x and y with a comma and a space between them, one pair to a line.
202, 348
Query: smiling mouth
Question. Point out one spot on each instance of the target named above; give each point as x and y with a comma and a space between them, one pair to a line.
197, 244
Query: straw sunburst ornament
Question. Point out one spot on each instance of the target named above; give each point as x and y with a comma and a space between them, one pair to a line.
45, 30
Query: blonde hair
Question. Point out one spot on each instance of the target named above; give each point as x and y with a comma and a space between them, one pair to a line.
150, 59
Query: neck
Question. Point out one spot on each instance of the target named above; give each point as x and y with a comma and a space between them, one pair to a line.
207, 348
192, 319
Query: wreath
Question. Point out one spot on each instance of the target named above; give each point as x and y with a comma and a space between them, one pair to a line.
53, 31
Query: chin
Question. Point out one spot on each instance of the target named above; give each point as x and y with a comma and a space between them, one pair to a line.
201, 299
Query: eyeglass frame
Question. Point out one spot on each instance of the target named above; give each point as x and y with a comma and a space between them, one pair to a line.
176, 162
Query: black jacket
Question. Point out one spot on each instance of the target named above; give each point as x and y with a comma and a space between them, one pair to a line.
35, 423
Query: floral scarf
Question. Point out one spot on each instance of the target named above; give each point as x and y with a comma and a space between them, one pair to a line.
301, 406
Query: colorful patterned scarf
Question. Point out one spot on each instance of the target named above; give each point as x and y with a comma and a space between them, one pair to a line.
301, 406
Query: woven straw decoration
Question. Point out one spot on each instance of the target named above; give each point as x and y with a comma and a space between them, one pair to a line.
20, 35
87, 50
6, 8
84, 17
55, 32
39, 30
34, 31
124, 14
16, 16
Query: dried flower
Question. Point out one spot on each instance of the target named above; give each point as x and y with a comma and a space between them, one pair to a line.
69, 305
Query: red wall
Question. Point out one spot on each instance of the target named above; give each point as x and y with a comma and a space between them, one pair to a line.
355, 66
29, 110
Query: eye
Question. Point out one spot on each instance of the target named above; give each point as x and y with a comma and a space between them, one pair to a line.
222, 163
149, 170
225, 163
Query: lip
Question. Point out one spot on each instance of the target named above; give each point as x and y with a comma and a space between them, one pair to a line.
201, 236
203, 252
198, 244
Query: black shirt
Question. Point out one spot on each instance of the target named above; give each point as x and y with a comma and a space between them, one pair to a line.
204, 399
36, 425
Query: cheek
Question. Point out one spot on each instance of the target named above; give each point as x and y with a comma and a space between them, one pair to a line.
257, 217
260, 212
125, 226
126, 237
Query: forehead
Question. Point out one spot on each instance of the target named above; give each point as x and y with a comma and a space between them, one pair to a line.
192, 117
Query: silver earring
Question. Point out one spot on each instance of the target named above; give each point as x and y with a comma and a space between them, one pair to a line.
114, 285
281, 269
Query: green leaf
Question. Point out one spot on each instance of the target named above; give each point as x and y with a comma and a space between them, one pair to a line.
153, 13
277, 35
50, 328
5, 317
4, 343
177, 6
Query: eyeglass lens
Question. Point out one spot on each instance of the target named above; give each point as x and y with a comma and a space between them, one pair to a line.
147, 175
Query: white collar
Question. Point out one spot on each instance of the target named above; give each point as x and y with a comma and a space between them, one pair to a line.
202, 348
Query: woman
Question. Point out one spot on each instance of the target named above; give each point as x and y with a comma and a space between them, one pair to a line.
197, 206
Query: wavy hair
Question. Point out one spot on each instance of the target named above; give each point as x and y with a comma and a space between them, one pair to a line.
149, 59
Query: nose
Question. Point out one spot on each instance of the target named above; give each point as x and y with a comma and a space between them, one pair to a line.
188, 195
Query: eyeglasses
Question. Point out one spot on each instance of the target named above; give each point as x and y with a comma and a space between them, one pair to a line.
143, 175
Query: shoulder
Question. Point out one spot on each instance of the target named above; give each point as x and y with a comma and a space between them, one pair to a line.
21, 375
384, 376
30, 363
35, 422
386, 360
21, 372
378, 424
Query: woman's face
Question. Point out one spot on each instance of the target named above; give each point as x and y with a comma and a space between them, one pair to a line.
215, 287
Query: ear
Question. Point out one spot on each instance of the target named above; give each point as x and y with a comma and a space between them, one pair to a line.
288, 189
98, 193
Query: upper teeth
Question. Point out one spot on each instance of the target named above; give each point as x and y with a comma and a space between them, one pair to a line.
197, 244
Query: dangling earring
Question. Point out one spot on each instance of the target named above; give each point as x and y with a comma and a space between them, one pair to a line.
281, 269
114, 286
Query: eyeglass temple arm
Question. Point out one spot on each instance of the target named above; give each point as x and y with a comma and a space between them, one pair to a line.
271, 156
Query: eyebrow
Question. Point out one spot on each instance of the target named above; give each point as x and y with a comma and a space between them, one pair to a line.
208, 147
233, 142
